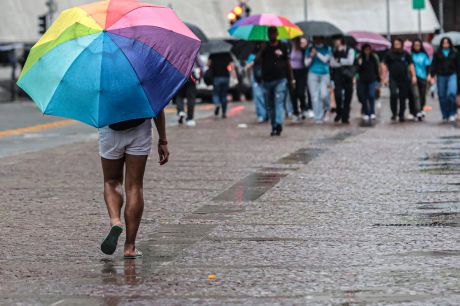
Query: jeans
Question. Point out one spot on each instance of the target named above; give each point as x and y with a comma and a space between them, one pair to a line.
399, 90
318, 85
298, 94
259, 100
220, 92
343, 92
189, 91
275, 93
447, 92
366, 92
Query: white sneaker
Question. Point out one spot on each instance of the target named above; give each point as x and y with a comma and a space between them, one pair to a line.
191, 123
452, 118
410, 117
181, 116
310, 114
295, 119
366, 118
260, 120
373, 117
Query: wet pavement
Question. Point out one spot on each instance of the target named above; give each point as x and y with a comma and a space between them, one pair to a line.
324, 215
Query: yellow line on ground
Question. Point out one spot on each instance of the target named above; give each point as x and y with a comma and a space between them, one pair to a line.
35, 128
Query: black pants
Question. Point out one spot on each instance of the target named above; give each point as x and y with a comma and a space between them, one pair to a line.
298, 94
343, 91
418, 93
189, 91
399, 92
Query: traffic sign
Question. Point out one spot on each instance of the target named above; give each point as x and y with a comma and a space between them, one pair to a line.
418, 4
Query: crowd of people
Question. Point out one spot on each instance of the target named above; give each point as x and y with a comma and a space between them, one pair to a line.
313, 79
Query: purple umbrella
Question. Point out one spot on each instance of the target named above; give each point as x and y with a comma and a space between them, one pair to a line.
377, 41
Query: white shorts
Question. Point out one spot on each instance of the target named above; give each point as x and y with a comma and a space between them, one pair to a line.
136, 141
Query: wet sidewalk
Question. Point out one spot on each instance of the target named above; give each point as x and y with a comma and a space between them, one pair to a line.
322, 215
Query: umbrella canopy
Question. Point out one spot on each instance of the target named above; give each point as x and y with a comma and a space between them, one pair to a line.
319, 29
110, 61
377, 41
198, 32
454, 36
255, 28
216, 46
427, 46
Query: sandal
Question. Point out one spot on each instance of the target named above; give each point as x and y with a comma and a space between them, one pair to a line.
138, 255
109, 245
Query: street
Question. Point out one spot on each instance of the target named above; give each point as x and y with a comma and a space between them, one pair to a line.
325, 215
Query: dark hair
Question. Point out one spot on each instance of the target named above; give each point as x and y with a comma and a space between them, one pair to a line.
451, 45
364, 47
422, 48
395, 40
272, 30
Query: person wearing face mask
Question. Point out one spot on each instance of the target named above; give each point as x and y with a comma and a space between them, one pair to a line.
422, 63
400, 68
444, 72
317, 58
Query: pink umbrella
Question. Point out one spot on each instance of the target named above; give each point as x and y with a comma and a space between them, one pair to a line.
427, 46
377, 41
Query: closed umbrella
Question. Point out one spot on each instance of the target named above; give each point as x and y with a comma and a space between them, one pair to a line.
377, 41
454, 36
110, 61
319, 29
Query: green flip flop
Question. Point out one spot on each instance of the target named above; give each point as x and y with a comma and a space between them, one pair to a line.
137, 256
109, 245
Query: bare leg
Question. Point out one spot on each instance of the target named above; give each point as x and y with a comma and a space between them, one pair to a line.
113, 188
135, 169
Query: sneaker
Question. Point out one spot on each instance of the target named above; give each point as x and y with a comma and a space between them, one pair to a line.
181, 117
191, 123
295, 119
373, 117
410, 117
304, 115
278, 130
452, 118
420, 116
224, 116
310, 114
337, 118
216, 111
366, 118
393, 118
260, 120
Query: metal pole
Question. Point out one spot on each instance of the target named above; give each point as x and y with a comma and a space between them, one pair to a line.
305, 12
52, 8
420, 24
388, 21
441, 14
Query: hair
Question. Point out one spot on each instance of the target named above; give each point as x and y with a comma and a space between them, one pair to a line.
272, 30
451, 45
364, 47
296, 43
422, 48
395, 40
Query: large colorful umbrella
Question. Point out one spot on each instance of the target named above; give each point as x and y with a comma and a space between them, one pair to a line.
110, 61
377, 41
255, 28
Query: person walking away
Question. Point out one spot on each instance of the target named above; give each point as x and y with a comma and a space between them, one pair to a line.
124, 148
398, 65
343, 73
368, 70
189, 92
297, 60
317, 58
444, 73
257, 87
276, 73
422, 63
220, 65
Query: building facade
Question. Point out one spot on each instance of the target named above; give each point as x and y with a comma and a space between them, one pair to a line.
451, 13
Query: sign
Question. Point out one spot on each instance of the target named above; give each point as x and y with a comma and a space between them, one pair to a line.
418, 4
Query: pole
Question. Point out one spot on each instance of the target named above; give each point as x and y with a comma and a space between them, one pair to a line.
52, 8
441, 14
305, 12
388, 21
420, 24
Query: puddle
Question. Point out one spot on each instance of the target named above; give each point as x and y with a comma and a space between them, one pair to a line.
301, 156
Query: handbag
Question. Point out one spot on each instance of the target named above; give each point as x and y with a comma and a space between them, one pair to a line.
208, 77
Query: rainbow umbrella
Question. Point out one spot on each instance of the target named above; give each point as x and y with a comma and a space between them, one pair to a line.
255, 28
110, 61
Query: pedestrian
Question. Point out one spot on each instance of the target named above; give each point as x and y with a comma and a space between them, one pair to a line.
276, 75
220, 66
189, 92
257, 86
422, 63
444, 72
368, 78
297, 60
124, 150
317, 58
400, 69
343, 73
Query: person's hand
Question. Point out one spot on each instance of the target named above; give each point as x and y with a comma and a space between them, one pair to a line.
414, 80
360, 61
313, 52
292, 84
163, 153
